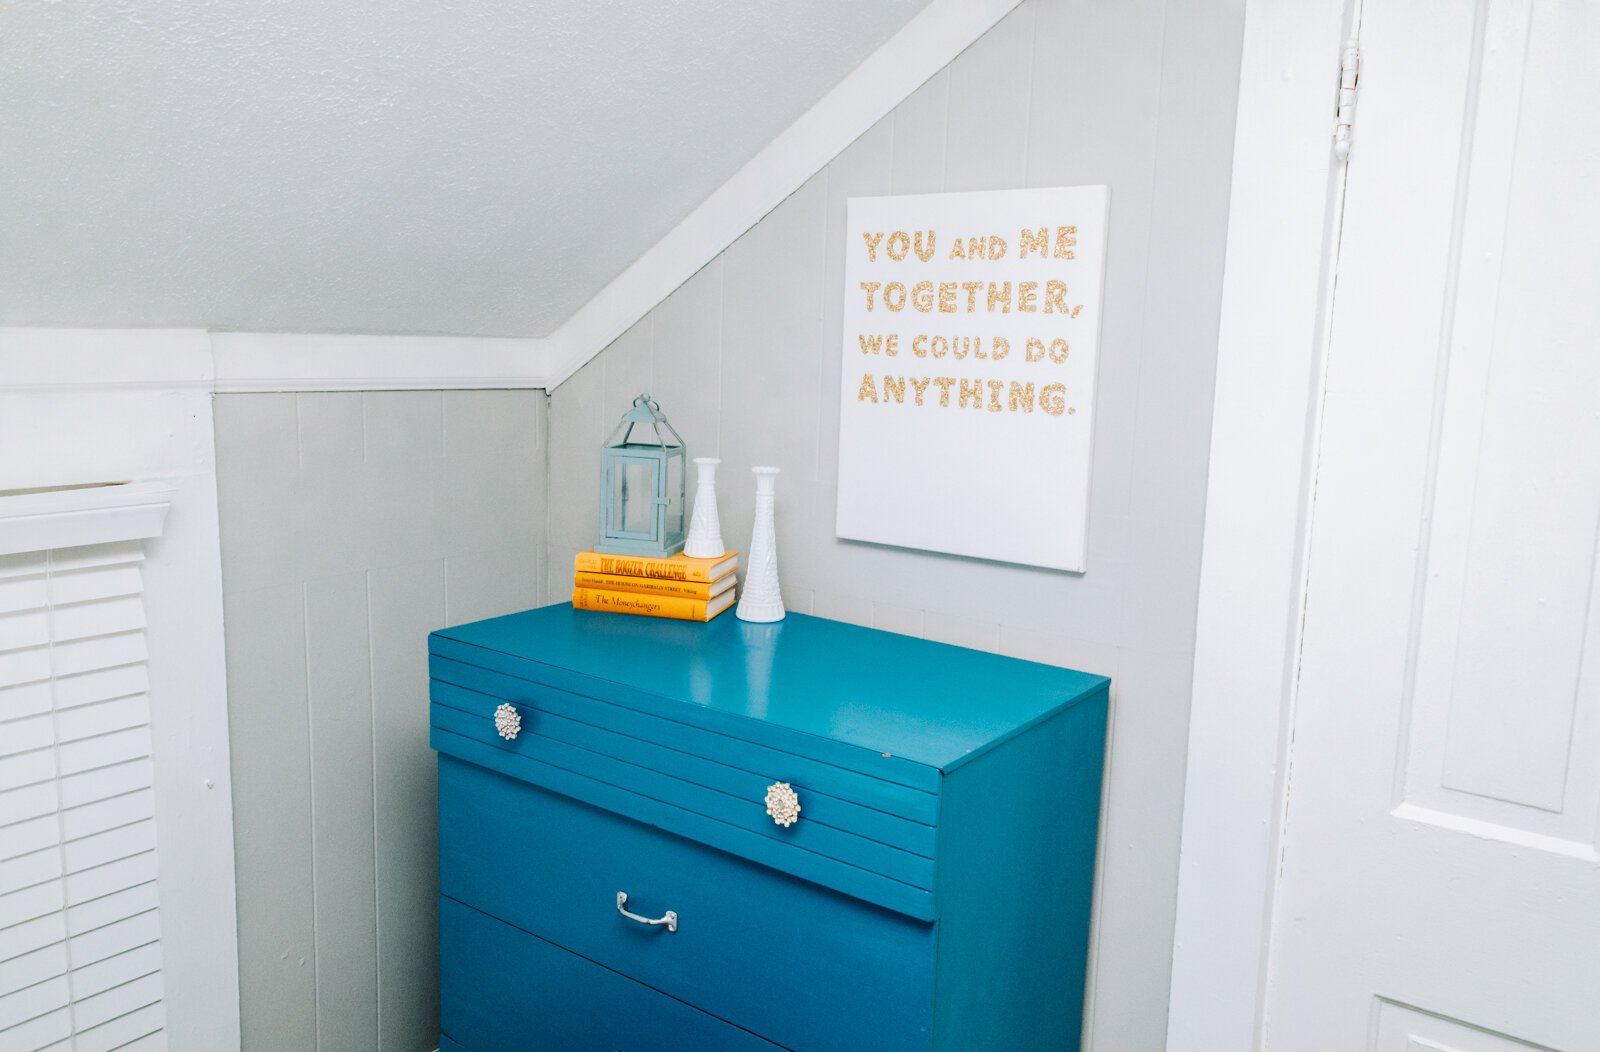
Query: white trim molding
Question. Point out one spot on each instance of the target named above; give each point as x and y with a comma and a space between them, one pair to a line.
256, 361
1282, 226
66, 516
926, 44
120, 359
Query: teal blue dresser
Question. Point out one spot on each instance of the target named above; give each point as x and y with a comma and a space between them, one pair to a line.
614, 874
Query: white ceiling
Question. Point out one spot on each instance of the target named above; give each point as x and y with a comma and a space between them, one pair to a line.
475, 167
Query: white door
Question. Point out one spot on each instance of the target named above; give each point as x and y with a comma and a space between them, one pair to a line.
1439, 886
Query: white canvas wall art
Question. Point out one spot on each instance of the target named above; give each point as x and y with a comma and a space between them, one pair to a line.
971, 336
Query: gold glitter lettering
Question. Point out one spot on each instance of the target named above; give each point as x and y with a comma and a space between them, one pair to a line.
1028, 241
894, 385
971, 288
974, 392
956, 251
958, 348
872, 244
947, 297
997, 247
870, 287
924, 254
891, 345
1034, 352
1053, 398
919, 345
1002, 347
1058, 351
1022, 395
899, 245
870, 344
945, 383
922, 296
1066, 237
995, 387
974, 248
1026, 291
1055, 296
977, 346
868, 391
894, 296
918, 386
1000, 294
939, 347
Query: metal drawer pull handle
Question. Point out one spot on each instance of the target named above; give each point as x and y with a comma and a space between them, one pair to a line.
507, 721
669, 918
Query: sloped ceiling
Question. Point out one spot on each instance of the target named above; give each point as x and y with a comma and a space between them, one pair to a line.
472, 167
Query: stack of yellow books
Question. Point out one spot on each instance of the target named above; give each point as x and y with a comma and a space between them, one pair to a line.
675, 586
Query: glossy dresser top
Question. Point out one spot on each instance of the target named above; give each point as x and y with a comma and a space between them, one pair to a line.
927, 702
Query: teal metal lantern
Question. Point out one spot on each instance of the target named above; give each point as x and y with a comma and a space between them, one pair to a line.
642, 485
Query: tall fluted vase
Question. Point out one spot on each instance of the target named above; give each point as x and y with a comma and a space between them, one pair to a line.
705, 527
761, 600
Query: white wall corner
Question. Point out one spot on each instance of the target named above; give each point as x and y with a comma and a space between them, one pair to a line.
926, 44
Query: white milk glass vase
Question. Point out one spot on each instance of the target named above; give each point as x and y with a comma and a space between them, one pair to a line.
760, 600
705, 528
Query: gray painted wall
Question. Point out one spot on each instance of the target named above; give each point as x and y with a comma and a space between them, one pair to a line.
744, 358
352, 525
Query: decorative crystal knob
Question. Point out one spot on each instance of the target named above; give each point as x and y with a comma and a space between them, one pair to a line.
783, 804
508, 721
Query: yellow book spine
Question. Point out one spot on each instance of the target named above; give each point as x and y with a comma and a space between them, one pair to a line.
678, 569
642, 585
675, 607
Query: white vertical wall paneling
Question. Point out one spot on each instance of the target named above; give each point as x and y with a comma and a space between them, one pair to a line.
353, 524
744, 358
80, 953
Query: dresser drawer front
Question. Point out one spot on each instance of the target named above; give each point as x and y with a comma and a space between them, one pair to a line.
504, 990
854, 833
894, 806
879, 765
802, 966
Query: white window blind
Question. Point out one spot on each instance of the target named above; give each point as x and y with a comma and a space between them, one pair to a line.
80, 949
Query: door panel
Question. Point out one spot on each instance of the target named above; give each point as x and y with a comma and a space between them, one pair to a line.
1440, 887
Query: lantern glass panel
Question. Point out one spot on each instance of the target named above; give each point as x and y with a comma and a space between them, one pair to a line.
675, 492
633, 496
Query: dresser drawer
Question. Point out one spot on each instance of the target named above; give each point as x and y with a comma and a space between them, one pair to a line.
860, 834
799, 965
703, 696
504, 990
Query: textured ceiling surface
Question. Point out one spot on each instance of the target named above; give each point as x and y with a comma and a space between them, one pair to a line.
478, 167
